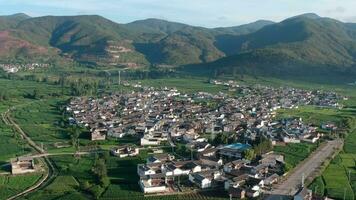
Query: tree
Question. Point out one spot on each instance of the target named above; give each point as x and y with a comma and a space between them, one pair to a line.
100, 168
96, 191
249, 154
85, 185
74, 134
105, 181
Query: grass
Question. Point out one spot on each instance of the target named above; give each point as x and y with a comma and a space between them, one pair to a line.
10, 144
42, 121
11, 185
295, 153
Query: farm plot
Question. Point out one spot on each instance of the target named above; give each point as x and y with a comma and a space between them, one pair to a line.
295, 153
42, 122
11, 185
10, 144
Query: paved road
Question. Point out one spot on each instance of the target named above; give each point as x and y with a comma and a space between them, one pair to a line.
290, 186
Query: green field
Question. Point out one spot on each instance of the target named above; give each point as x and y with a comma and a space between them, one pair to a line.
11, 185
295, 153
11, 145
42, 121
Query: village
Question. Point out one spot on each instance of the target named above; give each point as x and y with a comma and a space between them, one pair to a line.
13, 68
198, 122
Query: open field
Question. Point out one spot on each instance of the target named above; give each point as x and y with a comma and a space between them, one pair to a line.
295, 153
10, 185
10, 144
42, 121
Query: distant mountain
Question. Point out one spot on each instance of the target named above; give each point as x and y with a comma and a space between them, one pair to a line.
246, 28
305, 44
11, 21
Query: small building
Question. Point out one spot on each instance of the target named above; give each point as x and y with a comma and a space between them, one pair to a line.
125, 151
239, 193
234, 150
153, 183
22, 165
303, 194
98, 135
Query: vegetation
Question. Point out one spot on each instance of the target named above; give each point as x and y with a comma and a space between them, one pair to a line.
11, 185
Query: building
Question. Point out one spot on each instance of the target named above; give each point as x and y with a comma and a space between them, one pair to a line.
155, 183
125, 151
98, 134
303, 194
234, 150
22, 165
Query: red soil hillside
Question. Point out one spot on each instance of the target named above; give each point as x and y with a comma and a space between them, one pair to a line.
11, 46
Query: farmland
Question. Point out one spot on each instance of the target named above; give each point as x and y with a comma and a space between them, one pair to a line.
10, 185
295, 153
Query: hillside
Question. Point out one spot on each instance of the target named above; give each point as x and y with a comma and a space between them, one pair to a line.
318, 45
291, 46
95, 40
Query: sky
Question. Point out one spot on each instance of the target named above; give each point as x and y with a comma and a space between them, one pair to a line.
207, 13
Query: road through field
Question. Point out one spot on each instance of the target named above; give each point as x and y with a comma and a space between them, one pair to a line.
292, 183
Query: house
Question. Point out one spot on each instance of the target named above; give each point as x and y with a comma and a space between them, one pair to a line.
259, 170
204, 179
98, 134
237, 164
234, 150
239, 193
160, 158
303, 194
149, 142
271, 159
22, 165
269, 181
149, 169
125, 151
153, 183
236, 182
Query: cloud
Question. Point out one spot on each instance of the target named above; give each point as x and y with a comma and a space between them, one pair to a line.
337, 10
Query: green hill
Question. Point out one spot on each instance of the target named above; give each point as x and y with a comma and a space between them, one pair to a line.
300, 43
304, 44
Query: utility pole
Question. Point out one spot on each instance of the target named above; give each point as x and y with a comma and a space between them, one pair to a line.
120, 77
344, 193
303, 180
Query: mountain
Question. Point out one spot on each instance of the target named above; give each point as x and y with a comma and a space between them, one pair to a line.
244, 29
11, 21
305, 44
298, 44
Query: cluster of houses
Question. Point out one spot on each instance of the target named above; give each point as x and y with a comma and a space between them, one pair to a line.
213, 169
166, 115
13, 68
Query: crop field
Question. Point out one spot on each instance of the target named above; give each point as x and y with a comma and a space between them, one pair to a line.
71, 172
339, 178
17, 92
295, 153
10, 144
10, 185
41, 121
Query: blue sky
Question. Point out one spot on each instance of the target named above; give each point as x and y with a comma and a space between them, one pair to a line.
208, 13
